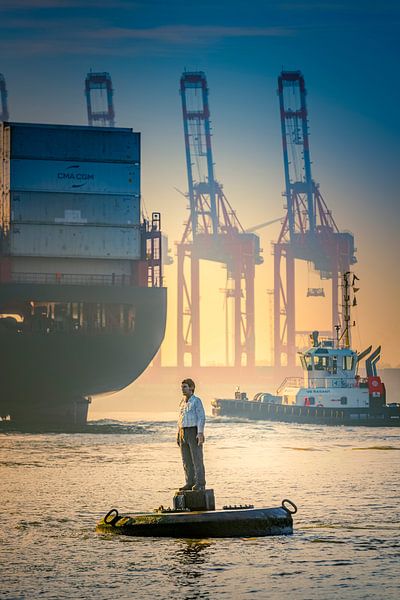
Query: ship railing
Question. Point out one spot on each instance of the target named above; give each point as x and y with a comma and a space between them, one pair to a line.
72, 279
331, 382
314, 383
290, 382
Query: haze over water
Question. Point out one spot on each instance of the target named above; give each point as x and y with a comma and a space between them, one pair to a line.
344, 480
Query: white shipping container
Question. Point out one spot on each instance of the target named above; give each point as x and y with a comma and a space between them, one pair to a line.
81, 177
70, 266
75, 241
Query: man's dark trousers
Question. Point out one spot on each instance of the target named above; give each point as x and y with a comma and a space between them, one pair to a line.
192, 456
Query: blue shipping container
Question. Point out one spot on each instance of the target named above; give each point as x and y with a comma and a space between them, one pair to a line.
84, 177
70, 142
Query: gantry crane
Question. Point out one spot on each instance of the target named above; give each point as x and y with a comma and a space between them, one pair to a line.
4, 114
99, 99
213, 232
309, 231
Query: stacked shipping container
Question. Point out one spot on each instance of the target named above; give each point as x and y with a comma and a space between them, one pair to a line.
70, 192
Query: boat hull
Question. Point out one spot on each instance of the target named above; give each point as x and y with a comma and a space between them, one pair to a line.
258, 522
46, 376
389, 416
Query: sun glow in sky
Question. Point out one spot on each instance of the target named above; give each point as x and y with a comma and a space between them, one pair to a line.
348, 53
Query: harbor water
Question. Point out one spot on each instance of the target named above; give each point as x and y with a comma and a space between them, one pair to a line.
55, 487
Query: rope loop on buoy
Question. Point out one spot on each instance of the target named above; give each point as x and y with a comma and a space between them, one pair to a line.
114, 518
292, 504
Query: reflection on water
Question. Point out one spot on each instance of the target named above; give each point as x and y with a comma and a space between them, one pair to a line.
101, 426
377, 448
55, 486
188, 563
305, 449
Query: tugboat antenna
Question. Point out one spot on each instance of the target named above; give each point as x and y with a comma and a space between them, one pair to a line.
337, 329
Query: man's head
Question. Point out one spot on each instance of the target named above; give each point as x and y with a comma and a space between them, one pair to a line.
188, 387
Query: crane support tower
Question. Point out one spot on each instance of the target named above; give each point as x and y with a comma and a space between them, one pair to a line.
4, 114
214, 233
309, 232
99, 99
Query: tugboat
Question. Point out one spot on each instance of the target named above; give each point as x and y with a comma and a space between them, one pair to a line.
331, 391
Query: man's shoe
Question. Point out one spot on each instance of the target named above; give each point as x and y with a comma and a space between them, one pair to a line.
186, 487
198, 488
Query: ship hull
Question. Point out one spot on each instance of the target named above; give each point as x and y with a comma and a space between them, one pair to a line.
47, 376
389, 416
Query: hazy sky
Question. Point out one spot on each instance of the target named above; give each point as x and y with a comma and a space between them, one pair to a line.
348, 52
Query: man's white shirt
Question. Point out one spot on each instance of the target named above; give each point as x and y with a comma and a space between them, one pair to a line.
191, 413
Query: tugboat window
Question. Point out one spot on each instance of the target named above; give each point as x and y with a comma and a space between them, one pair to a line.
321, 363
308, 361
334, 365
348, 363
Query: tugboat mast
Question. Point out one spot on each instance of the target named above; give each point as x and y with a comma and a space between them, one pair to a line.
346, 310
346, 334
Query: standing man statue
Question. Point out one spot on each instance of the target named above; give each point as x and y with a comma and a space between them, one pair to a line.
190, 437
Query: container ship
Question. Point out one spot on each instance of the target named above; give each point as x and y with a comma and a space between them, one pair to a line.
82, 305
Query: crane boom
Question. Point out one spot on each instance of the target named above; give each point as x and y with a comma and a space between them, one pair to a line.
213, 232
309, 232
197, 131
261, 225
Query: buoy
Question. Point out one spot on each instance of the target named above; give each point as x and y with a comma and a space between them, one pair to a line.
231, 521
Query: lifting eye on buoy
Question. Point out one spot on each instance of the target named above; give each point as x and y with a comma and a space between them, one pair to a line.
109, 519
291, 504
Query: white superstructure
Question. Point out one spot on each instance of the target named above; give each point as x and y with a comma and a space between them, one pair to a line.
330, 378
